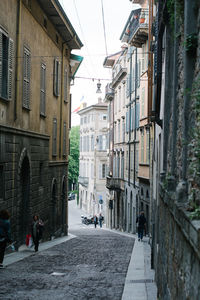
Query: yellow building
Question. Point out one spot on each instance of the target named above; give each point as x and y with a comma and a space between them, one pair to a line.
36, 66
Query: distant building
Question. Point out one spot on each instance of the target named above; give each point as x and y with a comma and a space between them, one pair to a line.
93, 158
35, 72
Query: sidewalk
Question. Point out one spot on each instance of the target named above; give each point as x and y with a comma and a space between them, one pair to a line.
24, 251
139, 283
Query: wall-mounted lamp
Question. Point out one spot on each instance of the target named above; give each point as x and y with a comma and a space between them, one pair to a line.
99, 88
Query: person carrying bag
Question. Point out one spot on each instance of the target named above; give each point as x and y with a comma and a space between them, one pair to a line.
4, 234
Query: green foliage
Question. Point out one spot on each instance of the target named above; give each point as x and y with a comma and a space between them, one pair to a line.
195, 215
179, 11
191, 42
73, 169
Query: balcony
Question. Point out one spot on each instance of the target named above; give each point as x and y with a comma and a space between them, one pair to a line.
83, 181
118, 75
115, 184
109, 92
136, 29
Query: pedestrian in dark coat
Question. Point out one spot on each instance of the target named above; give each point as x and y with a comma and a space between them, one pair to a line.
4, 234
141, 220
95, 221
100, 220
36, 229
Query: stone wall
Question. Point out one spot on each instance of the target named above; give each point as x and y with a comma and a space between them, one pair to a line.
27, 182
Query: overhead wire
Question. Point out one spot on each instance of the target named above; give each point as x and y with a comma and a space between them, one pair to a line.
84, 40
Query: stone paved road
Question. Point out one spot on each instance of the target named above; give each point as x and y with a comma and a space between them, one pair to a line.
91, 266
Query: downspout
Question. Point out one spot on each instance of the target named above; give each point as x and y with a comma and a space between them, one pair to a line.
17, 69
129, 136
136, 76
61, 99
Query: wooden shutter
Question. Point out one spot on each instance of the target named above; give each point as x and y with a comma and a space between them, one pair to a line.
65, 85
10, 68
64, 138
43, 89
1, 50
54, 138
26, 78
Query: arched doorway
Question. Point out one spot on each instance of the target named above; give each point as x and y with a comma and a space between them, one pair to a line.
24, 214
53, 205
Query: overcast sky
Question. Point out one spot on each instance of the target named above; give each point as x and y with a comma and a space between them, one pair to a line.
86, 18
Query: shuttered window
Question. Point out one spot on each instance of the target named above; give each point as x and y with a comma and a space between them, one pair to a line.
137, 115
65, 86
54, 138
6, 65
26, 78
56, 84
64, 138
43, 90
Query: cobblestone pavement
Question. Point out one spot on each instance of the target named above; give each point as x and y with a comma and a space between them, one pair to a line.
91, 266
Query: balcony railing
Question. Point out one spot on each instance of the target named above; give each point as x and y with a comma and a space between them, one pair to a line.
113, 183
83, 181
118, 75
136, 32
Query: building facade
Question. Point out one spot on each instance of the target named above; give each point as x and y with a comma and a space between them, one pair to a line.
176, 239
93, 159
35, 72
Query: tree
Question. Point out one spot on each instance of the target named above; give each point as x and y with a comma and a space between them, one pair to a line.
73, 170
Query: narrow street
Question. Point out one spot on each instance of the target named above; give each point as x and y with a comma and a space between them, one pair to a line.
93, 265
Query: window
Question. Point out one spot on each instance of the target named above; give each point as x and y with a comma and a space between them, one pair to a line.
137, 115
92, 142
102, 171
56, 85
123, 131
119, 132
26, 78
64, 138
127, 121
104, 117
65, 85
147, 146
122, 166
6, 66
54, 138
142, 146
43, 89
142, 101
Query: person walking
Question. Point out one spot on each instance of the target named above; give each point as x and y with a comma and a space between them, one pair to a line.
95, 221
4, 234
36, 229
100, 220
141, 220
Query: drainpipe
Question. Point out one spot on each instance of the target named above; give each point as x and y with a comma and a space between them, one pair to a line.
61, 99
17, 68
136, 76
129, 136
